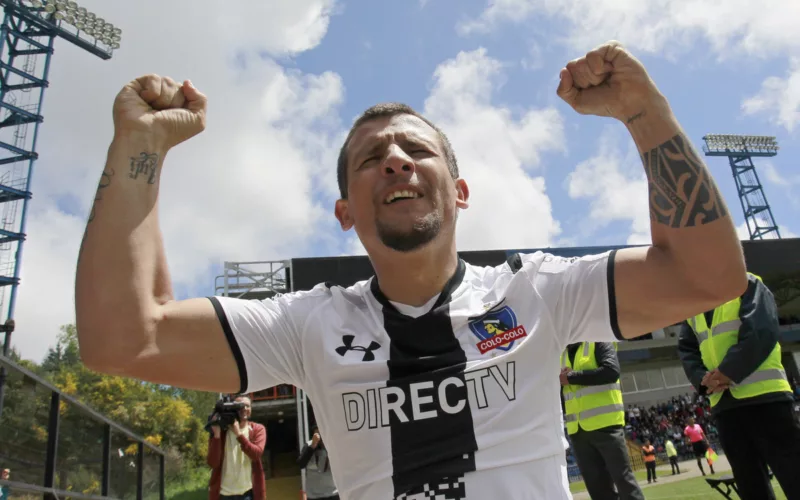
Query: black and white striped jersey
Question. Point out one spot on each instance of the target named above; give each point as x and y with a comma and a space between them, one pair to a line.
457, 400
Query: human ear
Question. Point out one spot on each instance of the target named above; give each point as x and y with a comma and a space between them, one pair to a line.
462, 192
342, 211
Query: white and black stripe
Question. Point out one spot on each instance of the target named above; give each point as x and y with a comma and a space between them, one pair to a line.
429, 456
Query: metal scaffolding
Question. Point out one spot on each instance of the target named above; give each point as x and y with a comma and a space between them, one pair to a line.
740, 150
27, 35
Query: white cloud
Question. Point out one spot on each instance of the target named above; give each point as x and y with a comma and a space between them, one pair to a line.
778, 98
242, 190
616, 187
498, 152
734, 29
659, 26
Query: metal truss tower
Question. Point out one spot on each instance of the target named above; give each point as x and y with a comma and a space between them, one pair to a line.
27, 35
740, 150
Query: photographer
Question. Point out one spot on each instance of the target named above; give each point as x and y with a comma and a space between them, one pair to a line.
234, 455
319, 479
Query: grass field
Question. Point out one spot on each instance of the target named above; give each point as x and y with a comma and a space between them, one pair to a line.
694, 488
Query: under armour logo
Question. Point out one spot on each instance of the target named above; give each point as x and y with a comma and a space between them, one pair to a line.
347, 341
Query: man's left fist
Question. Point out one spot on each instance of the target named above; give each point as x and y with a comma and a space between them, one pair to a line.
609, 81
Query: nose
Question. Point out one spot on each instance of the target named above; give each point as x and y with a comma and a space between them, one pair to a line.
397, 163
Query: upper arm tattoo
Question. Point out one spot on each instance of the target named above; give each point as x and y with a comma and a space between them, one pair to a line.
681, 190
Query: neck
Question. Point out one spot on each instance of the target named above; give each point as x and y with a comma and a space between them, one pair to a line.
414, 278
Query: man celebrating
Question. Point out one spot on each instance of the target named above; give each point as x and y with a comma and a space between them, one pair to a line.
413, 395
234, 456
595, 416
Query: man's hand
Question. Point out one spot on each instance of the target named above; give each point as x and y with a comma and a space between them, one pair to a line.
562, 377
608, 81
160, 108
217, 431
315, 439
716, 381
235, 428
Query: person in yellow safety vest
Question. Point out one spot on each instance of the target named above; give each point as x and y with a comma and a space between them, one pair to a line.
732, 355
672, 454
595, 417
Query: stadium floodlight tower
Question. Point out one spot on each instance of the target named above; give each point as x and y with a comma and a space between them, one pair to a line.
740, 150
27, 35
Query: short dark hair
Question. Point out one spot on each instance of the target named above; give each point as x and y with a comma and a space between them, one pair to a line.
386, 110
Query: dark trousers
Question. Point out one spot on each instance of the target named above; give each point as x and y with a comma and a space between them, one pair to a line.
248, 495
651, 471
673, 462
334, 497
603, 459
758, 436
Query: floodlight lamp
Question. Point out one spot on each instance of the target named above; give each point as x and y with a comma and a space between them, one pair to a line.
49, 8
82, 11
114, 45
71, 5
90, 16
59, 15
36, 4
89, 31
79, 25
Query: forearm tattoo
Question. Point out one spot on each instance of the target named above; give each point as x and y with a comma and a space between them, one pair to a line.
105, 180
682, 192
145, 165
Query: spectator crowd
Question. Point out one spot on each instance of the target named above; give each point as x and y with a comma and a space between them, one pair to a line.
667, 420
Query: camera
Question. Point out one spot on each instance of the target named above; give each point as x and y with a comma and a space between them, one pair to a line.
225, 413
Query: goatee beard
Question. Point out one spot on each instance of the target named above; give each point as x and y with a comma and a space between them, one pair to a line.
422, 233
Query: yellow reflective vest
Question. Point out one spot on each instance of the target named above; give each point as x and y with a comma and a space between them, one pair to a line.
590, 407
717, 338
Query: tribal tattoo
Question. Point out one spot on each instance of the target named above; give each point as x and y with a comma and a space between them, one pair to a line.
682, 192
105, 180
145, 164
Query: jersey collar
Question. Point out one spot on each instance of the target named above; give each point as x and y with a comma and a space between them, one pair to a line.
444, 297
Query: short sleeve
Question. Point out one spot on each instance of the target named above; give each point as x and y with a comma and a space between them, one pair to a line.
581, 296
264, 339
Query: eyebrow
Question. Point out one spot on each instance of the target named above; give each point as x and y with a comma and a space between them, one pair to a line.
372, 148
367, 150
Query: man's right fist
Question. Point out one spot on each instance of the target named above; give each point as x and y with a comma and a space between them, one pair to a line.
159, 106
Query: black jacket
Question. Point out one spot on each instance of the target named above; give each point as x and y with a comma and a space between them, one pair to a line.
607, 371
757, 338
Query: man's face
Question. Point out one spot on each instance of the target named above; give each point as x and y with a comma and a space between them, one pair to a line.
244, 413
400, 191
5, 474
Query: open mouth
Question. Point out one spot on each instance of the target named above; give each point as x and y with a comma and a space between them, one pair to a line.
396, 196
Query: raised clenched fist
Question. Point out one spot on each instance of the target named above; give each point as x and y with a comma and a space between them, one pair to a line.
168, 111
609, 81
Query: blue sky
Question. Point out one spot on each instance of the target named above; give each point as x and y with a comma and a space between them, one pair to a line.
285, 80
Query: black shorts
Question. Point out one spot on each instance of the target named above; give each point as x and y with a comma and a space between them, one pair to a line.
699, 448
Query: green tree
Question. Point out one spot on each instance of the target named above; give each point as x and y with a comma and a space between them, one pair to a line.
167, 417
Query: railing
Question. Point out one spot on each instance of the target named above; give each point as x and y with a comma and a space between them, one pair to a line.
283, 391
58, 447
